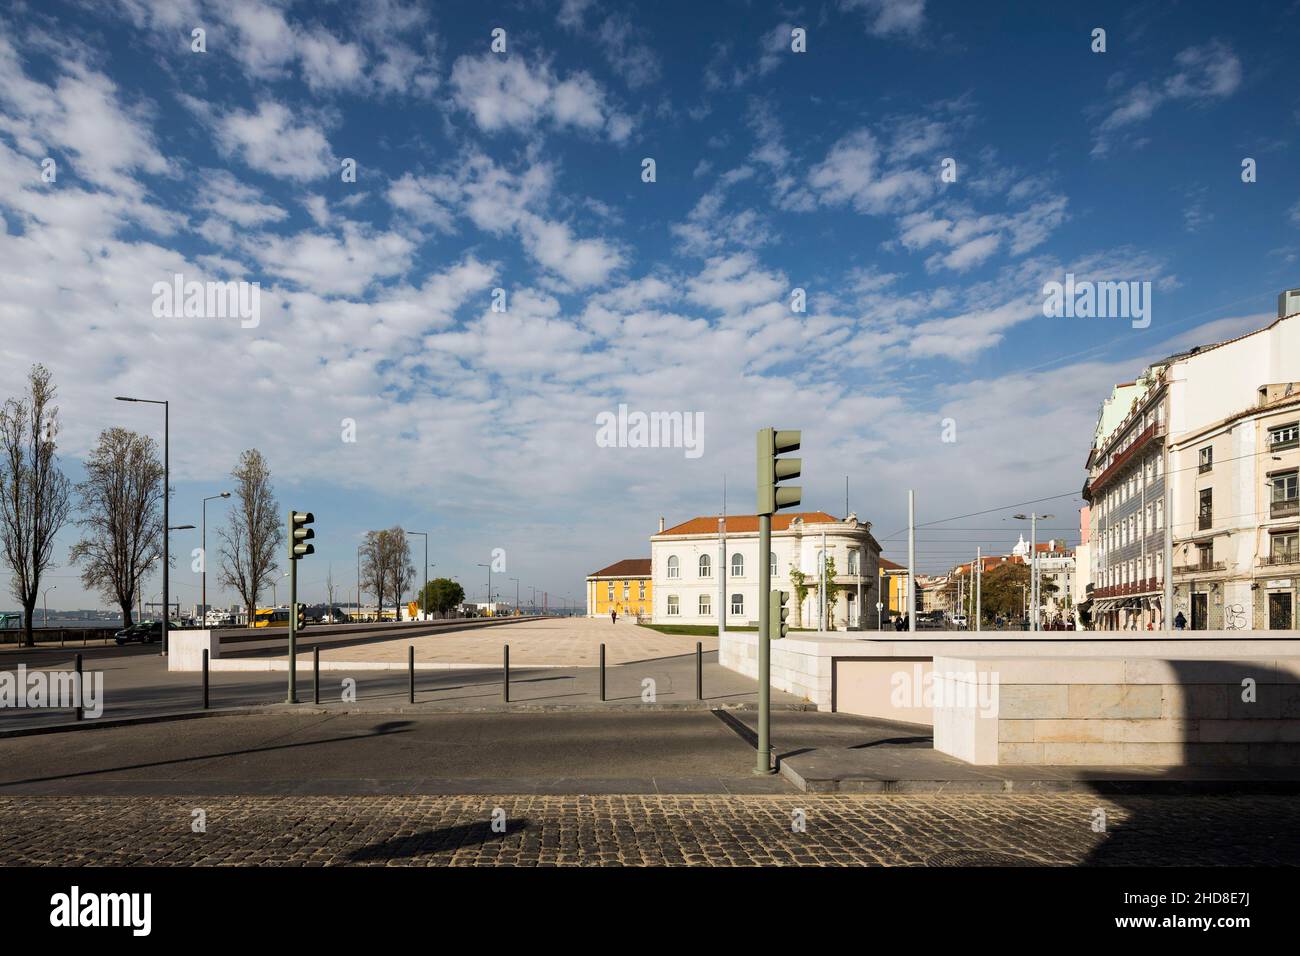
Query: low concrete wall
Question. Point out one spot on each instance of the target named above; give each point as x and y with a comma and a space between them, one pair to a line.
185, 649
806, 665
1129, 710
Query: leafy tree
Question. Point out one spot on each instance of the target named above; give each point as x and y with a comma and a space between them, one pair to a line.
800, 582
1003, 588
832, 592
121, 515
443, 595
34, 493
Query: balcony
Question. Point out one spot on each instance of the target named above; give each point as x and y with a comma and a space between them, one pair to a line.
1147, 586
1200, 567
1279, 559
1287, 508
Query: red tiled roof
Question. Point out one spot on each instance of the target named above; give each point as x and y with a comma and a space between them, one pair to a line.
888, 565
742, 523
627, 568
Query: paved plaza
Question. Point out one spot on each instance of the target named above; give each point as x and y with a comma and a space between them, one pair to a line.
645, 830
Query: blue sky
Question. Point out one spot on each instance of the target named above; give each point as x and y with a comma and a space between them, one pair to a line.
774, 170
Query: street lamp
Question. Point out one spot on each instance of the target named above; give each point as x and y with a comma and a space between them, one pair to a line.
424, 594
166, 564
516, 580
275, 600
1033, 560
489, 590
203, 599
45, 618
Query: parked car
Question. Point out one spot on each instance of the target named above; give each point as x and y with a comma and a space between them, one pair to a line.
144, 632
959, 621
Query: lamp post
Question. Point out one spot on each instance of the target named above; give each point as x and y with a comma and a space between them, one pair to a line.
1033, 562
516, 580
424, 594
45, 618
275, 600
203, 599
489, 590
166, 563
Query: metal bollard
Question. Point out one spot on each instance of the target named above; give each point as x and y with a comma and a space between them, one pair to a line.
315, 674
699, 671
205, 678
410, 667
602, 672
81, 694
505, 686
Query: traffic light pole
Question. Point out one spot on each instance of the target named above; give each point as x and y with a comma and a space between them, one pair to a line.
293, 618
764, 763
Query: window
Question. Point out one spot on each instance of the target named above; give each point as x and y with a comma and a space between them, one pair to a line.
1284, 504
640, 587
737, 604
1284, 548
1284, 436
1205, 512
706, 605
674, 605
737, 565
1207, 459
706, 566
609, 593
674, 568
853, 561
626, 590
1205, 556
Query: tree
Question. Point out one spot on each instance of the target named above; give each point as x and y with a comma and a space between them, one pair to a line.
1003, 589
401, 573
120, 513
800, 582
374, 567
443, 595
254, 533
34, 493
832, 593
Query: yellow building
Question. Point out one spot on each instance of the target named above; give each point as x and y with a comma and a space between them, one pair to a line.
623, 587
895, 589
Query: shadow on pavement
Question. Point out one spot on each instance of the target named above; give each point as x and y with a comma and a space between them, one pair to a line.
444, 839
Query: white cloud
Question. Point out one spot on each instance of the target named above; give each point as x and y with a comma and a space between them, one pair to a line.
271, 140
887, 17
506, 93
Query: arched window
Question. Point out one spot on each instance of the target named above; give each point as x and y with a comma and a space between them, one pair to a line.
737, 565
771, 561
674, 568
706, 566
853, 561
738, 604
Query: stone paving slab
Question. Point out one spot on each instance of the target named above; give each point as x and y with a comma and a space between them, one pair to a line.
652, 830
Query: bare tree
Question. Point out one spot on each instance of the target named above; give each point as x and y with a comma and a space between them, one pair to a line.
34, 499
374, 567
401, 573
255, 531
120, 516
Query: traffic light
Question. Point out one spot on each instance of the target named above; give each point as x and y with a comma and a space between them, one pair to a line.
300, 534
299, 616
772, 469
778, 610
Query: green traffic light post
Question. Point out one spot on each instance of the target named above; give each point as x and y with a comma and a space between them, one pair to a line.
771, 498
299, 535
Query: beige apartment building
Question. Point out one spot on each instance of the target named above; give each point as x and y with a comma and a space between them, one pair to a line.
1215, 432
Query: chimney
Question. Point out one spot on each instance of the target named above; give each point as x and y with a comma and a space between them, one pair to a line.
1288, 303
661, 524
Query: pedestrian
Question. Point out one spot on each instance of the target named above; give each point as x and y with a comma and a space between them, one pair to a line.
1180, 622
613, 616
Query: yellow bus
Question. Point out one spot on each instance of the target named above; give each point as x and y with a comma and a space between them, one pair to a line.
271, 617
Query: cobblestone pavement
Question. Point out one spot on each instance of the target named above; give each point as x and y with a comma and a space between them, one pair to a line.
1048, 829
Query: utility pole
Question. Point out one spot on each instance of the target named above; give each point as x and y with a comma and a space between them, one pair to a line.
979, 584
911, 560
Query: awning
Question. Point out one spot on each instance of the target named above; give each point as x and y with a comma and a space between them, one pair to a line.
1101, 607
